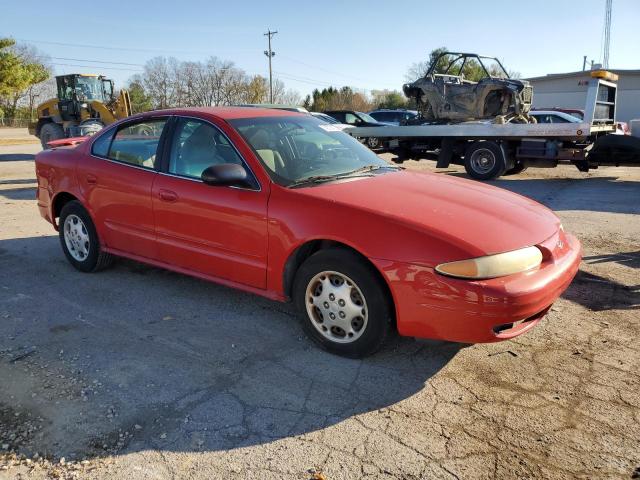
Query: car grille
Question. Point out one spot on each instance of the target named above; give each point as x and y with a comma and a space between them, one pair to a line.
527, 95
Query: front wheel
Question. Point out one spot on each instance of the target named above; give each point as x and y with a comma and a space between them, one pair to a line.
79, 239
484, 160
374, 143
342, 303
50, 132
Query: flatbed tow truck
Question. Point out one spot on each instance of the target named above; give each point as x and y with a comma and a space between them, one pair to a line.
488, 150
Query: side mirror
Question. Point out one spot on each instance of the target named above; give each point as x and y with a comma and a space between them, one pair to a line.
225, 174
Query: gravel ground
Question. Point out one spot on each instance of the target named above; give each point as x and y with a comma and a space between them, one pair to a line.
137, 372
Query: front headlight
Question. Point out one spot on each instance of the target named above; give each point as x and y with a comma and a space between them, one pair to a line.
493, 266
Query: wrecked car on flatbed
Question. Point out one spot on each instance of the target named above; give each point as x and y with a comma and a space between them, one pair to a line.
445, 95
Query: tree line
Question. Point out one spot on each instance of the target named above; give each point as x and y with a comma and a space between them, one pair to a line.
346, 98
169, 82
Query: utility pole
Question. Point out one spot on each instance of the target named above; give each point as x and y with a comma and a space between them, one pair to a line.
270, 53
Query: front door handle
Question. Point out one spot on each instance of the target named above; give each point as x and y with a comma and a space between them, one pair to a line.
168, 195
91, 179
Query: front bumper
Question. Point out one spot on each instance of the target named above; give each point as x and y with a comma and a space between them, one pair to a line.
429, 305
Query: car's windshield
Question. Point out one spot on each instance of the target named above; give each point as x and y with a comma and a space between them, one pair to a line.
366, 118
302, 147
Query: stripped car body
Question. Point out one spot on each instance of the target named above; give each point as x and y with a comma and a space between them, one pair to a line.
444, 95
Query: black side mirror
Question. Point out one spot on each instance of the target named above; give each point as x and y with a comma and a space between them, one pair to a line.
225, 174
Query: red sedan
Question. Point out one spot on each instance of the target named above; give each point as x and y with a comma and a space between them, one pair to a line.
283, 205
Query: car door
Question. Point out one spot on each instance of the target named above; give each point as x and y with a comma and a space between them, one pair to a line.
116, 180
220, 231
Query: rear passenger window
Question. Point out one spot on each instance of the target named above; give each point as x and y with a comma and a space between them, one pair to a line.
101, 145
137, 144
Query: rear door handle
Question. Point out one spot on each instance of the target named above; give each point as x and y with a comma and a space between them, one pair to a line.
92, 179
168, 195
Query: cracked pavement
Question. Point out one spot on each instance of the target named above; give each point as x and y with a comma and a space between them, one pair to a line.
144, 373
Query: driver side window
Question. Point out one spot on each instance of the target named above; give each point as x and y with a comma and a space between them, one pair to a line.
198, 145
351, 119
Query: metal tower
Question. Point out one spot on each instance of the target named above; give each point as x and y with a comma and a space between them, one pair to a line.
607, 34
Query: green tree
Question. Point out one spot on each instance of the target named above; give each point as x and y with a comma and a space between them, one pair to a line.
19, 71
140, 101
257, 89
388, 99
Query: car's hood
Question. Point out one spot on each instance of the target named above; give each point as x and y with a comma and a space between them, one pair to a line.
476, 217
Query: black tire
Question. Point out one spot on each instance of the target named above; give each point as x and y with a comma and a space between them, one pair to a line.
484, 160
95, 259
519, 168
374, 300
374, 143
49, 132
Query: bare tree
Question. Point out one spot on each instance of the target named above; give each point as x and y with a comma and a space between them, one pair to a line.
159, 82
169, 82
284, 96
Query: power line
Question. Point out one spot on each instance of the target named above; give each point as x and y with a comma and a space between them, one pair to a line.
310, 81
322, 68
94, 66
123, 49
122, 65
96, 61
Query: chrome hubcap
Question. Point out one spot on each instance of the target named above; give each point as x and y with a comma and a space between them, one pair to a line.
76, 237
336, 307
483, 160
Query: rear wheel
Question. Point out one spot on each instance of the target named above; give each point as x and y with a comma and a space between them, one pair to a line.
484, 160
342, 303
49, 132
79, 239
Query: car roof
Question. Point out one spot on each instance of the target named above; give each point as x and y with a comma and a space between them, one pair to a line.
228, 113
548, 112
565, 115
392, 110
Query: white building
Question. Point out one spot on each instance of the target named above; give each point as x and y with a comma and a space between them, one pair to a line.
567, 90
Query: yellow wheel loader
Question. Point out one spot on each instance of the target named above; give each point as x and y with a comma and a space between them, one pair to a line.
85, 104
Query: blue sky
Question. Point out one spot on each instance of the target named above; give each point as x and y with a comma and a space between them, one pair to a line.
365, 44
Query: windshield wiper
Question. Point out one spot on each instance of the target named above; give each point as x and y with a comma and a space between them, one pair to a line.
311, 179
365, 171
367, 168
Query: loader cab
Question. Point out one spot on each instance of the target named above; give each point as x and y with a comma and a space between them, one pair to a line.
75, 90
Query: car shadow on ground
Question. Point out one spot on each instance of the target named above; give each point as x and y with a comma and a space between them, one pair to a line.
600, 194
16, 157
18, 193
598, 293
18, 181
629, 259
137, 358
